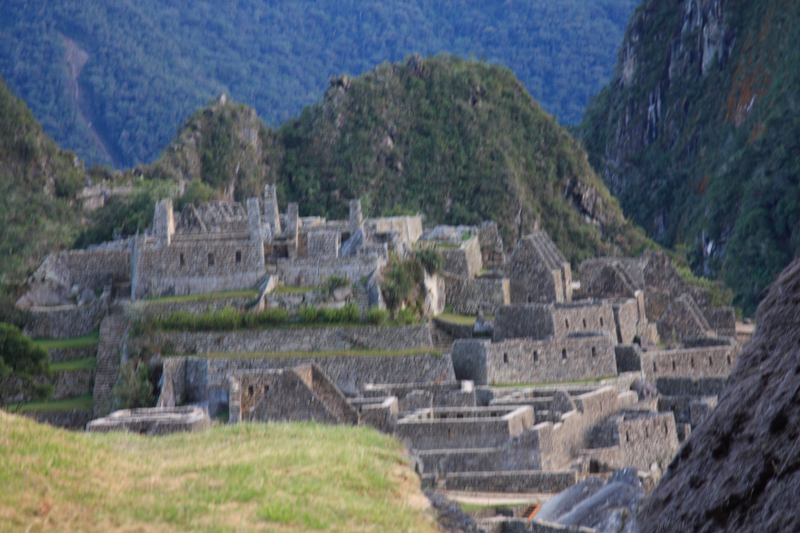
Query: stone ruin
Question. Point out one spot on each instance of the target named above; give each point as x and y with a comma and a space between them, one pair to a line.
566, 380
153, 421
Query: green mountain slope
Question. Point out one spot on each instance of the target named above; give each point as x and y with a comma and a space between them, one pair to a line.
458, 141
699, 134
113, 80
38, 183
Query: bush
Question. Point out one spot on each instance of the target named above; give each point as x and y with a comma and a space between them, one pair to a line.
21, 362
431, 260
405, 316
403, 281
133, 388
334, 282
377, 316
309, 315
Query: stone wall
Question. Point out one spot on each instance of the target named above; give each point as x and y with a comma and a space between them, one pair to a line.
638, 440
409, 228
311, 272
523, 321
572, 358
66, 321
626, 318
582, 317
465, 261
713, 361
62, 355
323, 244
473, 296
453, 428
722, 320
290, 339
207, 379
148, 310
196, 264
412, 396
75, 419
72, 383
538, 271
527, 481
95, 268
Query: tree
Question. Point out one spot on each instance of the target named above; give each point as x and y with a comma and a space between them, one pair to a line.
21, 362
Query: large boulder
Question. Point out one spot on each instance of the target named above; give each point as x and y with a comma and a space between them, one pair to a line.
740, 469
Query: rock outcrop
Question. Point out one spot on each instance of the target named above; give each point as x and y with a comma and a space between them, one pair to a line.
740, 469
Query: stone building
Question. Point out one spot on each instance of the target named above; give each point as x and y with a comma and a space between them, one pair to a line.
687, 309
549, 343
216, 247
472, 271
300, 394
538, 272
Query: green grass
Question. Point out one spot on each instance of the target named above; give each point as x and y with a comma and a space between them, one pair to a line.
461, 320
327, 353
75, 342
78, 364
549, 383
246, 477
67, 404
251, 293
286, 289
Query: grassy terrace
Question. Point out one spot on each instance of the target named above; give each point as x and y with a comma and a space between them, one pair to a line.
247, 477
68, 404
286, 289
461, 320
75, 342
328, 353
78, 364
589, 381
251, 293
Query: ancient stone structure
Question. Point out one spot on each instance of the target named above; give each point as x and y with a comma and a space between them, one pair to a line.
538, 271
217, 247
303, 393
687, 309
152, 421
470, 287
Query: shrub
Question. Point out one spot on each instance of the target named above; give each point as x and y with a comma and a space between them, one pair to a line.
21, 362
133, 388
431, 260
377, 316
403, 281
405, 316
309, 315
334, 282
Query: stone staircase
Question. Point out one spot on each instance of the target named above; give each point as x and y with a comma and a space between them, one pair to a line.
111, 329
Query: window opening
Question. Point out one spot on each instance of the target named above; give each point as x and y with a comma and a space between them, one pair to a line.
181, 260
238, 257
211, 260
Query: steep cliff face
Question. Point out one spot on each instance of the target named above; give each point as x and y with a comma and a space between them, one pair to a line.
695, 133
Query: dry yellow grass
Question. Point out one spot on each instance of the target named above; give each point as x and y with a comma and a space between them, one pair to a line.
266, 477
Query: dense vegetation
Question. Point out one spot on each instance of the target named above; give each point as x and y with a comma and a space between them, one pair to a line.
698, 135
455, 140
112, 80
245, 477
37, 183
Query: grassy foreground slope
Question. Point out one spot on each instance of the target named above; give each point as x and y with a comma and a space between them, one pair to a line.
271, 477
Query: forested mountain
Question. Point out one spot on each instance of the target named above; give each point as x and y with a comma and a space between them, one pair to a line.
455, 140
113, 80
38, 182
698, 134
